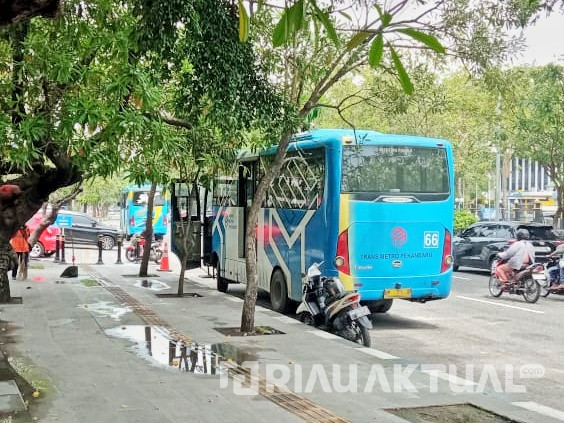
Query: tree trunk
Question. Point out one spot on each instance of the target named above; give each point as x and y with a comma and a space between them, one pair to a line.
183, 264
143, 269
17, 10
248, 313
559, 215
49, 218
8, 259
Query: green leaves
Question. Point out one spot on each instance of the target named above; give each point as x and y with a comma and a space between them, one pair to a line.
294, 18
376, 51
403, 76
243, 23
427, 39
281, 30
357, 39
324, 19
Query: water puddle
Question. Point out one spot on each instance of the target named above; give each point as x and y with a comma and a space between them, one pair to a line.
106, 309
151, 284
154, 344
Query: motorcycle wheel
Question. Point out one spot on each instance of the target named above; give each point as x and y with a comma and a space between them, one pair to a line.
495, 286
544, 291
130, 254
364, 337
306, 318
531, 291
157, 255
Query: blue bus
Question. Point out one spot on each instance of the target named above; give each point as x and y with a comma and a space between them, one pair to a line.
133, 214
376, 208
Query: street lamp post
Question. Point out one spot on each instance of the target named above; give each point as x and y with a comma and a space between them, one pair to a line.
497, 196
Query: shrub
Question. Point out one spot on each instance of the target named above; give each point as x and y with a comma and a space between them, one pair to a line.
463, 219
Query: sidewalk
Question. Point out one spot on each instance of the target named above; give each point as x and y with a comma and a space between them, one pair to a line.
65, 336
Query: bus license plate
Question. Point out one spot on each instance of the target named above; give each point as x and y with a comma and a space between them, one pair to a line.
397, 293
356, 313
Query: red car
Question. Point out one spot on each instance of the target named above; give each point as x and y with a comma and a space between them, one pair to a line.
45, 245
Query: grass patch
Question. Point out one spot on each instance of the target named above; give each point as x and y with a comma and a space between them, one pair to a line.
90, 282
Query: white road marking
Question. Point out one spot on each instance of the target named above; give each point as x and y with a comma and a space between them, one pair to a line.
377, 353
500, 304
325, 335
541, 409
460, 277
453, 379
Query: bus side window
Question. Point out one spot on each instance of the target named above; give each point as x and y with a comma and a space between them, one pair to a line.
247, 183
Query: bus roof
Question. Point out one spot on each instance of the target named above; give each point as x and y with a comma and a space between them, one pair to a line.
332, 137
145, 187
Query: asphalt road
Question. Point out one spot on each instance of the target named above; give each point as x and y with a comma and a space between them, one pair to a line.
471, 328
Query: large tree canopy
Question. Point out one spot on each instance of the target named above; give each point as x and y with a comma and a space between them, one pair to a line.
101, 88
17, 10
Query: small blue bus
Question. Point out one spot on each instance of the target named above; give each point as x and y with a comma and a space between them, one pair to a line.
134, 210
376, 208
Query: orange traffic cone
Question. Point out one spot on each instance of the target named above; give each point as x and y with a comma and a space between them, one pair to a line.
164, 260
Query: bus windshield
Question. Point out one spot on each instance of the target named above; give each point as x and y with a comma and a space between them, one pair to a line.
371, 171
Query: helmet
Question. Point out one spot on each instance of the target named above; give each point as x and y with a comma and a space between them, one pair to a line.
522, 234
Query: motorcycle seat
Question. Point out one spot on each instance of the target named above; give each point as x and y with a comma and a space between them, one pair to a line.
521, 273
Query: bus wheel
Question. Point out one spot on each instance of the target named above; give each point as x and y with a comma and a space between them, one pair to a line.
380, 306
222, 283
279, 292
385, 306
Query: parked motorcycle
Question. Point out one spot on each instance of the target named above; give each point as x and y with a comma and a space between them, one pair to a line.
134, 251
326, 305
548, 276
520, 283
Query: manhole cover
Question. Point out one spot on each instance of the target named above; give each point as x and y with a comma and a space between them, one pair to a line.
456, 413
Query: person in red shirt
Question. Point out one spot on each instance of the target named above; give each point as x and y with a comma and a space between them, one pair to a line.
21, 246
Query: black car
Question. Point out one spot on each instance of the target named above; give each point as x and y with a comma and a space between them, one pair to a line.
85, 230
478, 244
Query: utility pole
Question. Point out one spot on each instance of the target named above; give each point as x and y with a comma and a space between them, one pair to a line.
497, 197
498, 177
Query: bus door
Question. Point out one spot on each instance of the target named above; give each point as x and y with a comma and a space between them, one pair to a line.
186, 227
247, 186
247, 176
207, 222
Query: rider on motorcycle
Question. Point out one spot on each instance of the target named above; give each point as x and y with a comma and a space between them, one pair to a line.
518, 255
558, 269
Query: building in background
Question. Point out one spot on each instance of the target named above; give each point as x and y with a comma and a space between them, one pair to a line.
531, 193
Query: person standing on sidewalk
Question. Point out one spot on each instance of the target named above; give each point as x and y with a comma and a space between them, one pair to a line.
22, 248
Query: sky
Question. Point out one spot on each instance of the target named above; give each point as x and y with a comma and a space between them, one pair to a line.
545, 41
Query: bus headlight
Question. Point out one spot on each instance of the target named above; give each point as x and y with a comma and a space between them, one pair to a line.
449, 260
339, 261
